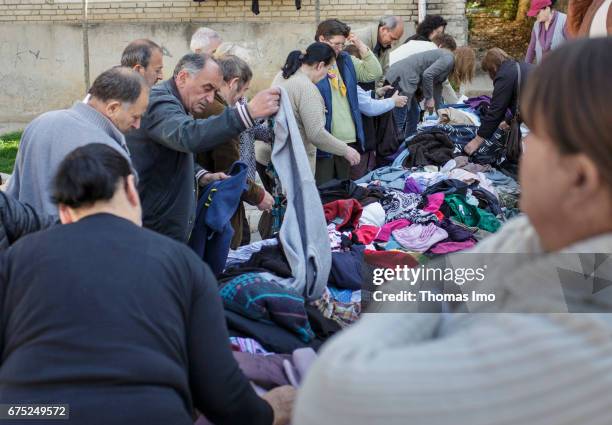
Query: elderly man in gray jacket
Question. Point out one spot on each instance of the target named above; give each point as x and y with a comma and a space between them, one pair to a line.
163, 148
117, 99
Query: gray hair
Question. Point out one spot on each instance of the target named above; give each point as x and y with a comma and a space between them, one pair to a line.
390, 22
227, 48
202, 38
234, 67
192, 63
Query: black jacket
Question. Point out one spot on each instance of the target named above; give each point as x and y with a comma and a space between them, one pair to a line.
18, 219
504, 95
123, 324
163, 151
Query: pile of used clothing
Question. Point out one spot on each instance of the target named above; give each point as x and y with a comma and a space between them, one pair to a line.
297, 289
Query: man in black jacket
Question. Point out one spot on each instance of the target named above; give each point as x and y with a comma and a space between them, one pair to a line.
18, 219
163, 148
122, 324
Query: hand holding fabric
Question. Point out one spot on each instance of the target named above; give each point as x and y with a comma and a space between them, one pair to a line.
381, 91
400, 101
208, 178
265, 103
430, 104
266, 203
473, 145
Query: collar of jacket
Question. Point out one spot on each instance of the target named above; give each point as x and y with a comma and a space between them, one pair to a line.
347, 70
377, 48
92, 115
175, 91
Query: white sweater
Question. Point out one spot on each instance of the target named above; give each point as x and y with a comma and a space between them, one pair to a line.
469, 369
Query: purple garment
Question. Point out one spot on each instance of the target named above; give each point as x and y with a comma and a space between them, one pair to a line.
448, 247
455, 232
419, 237
265, 371
385, 232
301, 361
545, 37
412, 186
479, 102
475, 102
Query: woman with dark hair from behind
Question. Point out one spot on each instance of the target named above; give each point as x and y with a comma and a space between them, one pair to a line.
431, 26
100, 310
531, 357
298, 77
504, 71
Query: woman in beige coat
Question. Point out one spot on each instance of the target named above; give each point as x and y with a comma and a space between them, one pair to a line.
298, 77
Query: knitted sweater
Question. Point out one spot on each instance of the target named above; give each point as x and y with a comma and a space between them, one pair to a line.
45, 143
309, 111
476, 369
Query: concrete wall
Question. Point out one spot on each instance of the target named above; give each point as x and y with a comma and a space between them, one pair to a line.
41, 41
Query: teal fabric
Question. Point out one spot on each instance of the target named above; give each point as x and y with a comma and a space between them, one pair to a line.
471, 215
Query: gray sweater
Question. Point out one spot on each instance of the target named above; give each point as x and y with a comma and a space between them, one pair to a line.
303, 234
427, 69
45, 143
479, 368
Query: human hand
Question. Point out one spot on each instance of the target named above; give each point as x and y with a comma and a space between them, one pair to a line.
473, 145
504, 126
352, 156
363, 49
265, 103
381, 91
281, 399
208, 178
430, 104
266, 203
400, 101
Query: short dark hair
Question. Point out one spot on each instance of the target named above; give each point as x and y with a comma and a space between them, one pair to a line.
192, 63
138, 52
579, 126
427, 26
118, 83
89, 174
331, 28
315, 53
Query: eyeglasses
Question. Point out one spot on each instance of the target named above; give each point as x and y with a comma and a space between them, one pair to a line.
340, 45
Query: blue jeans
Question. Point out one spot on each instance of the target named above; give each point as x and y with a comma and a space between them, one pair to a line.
407, 119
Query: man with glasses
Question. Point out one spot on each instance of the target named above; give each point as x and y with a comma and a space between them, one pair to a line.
339, 91
381, 38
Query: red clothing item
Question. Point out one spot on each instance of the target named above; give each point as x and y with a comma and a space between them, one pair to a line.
366, 233
343, 213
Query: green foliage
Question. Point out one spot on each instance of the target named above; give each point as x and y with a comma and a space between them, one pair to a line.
9, 143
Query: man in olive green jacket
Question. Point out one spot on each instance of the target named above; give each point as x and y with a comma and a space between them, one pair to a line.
380, 37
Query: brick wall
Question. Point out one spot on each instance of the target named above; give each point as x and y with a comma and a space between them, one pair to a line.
42, 51
223, 10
